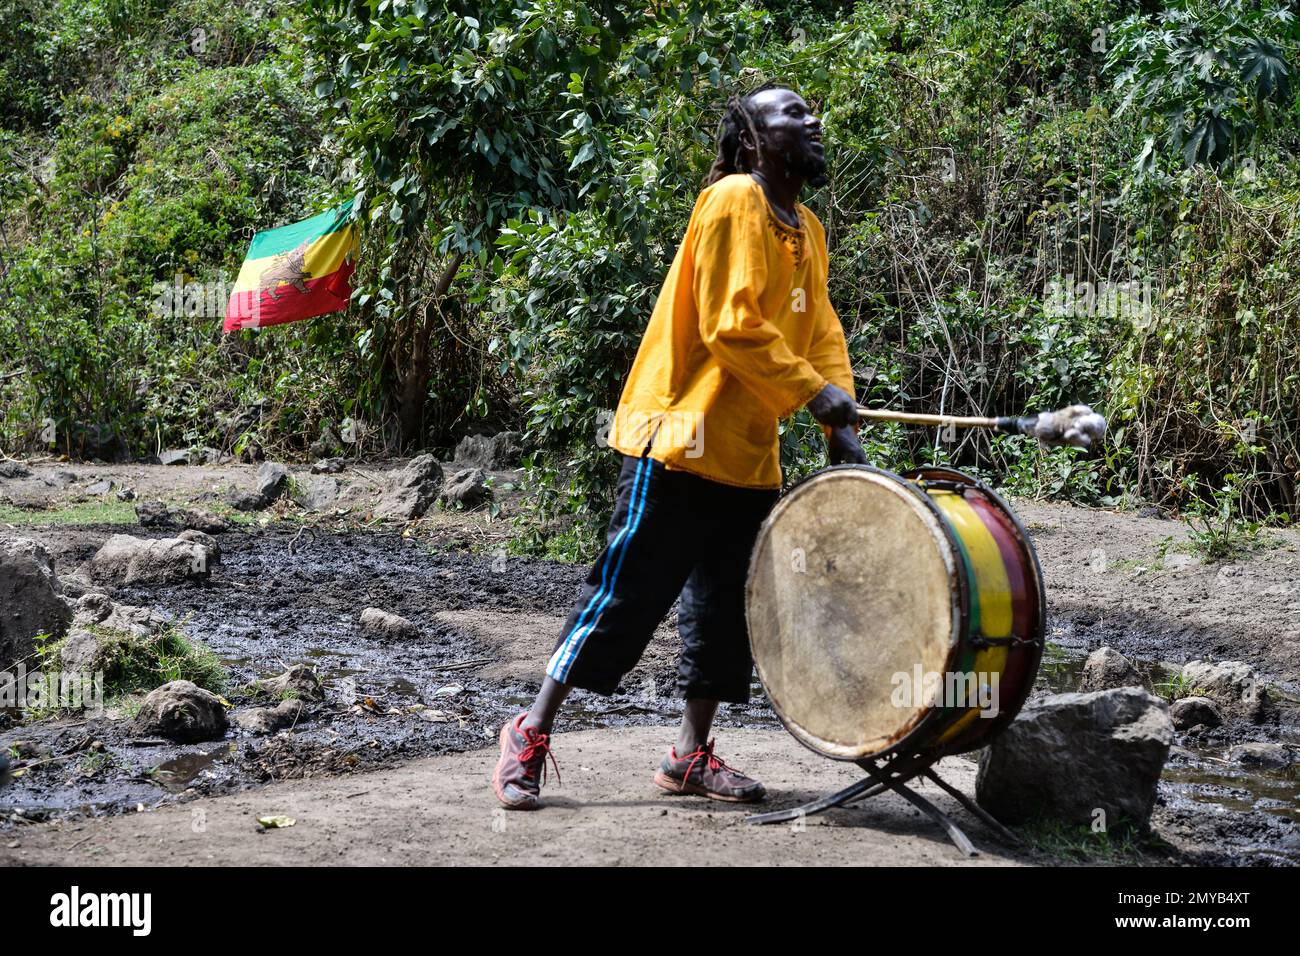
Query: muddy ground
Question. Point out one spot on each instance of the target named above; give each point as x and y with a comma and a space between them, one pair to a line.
397, 757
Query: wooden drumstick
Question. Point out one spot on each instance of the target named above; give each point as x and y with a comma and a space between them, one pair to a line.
1076, 425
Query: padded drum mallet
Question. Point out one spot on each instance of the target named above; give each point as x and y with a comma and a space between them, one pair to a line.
1076, 425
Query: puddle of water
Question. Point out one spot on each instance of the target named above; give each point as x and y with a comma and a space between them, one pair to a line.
1062, 668
176, 774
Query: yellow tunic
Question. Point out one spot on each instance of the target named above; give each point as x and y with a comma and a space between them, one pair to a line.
742, 335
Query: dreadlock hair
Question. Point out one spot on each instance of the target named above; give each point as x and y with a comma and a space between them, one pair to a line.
739, 114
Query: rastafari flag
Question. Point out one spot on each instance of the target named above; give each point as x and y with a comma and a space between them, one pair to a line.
295, 272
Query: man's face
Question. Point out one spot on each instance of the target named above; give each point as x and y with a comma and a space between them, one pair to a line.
792, 135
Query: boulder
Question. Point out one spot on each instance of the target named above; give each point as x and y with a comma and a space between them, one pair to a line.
489, 451
125, 559
126, 494
1106, 668
29, 605
1189, 712
95, 621
174, 456
159, 514
380, 624
411, 490
1265, 756
468, 489
34, 550
328, 466
1069, 755
320, 492
272, 480
267, 720
99, 487
1231, 684
300, 679
13, 469
242, 500
182, 711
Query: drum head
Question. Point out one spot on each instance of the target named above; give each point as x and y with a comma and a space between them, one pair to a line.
851, 594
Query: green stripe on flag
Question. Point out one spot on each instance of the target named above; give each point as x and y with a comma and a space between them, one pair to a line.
273, 242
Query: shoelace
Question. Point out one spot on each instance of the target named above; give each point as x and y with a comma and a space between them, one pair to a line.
539, 747
711, 762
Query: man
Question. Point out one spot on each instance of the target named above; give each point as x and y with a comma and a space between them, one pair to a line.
742, 335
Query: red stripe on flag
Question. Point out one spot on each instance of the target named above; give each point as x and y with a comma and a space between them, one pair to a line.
252, 310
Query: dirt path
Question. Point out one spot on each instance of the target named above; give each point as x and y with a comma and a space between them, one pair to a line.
441, 811
385, 777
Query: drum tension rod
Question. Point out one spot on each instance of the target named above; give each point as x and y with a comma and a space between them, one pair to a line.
979, 641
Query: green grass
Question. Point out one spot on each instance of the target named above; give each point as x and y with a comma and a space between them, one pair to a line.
87, 512
133, 665
1079, 843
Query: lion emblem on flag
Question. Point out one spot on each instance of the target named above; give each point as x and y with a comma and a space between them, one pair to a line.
287, 267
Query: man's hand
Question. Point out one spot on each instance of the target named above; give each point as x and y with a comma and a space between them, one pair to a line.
834, 407
844, 447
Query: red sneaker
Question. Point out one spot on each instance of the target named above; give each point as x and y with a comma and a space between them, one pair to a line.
523, 753
699, 772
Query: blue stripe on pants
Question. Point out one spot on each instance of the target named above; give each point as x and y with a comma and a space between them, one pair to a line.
562, 660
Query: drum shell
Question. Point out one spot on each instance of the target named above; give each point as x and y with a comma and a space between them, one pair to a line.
932, 729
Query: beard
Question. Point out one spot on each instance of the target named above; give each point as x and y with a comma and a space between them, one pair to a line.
815, 170
808, 165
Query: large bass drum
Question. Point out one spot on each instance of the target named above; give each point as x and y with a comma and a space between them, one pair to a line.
894, 613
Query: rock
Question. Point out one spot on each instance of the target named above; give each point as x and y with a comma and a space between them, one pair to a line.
328, 466
272, 480
299, 678
32, 549
1266, 756
158, 514
29, 605
246, 500
1231, 684
411, 490
381, 624
1106, 668
125, 559
100, 487
493, 452
252, 452
319, 493
1069, 755
13, 469
205, 540
267, 720
467, 489
182, 711
97, 623
1178, 562
1189, 712
126, 494
174, 456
